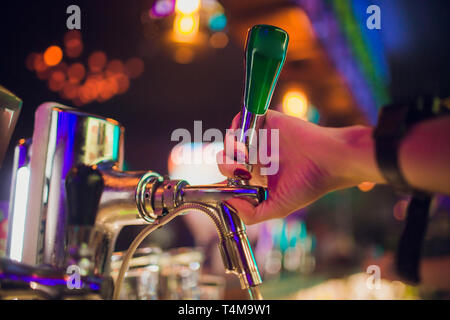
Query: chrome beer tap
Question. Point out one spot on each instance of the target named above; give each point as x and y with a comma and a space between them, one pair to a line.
79, 198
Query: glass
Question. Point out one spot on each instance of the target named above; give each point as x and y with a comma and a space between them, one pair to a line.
180, 274
141, 281
212, 287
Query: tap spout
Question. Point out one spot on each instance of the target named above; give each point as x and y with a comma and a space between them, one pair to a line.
234, 245
221, 192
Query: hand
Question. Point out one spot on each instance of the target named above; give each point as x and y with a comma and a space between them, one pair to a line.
313, 161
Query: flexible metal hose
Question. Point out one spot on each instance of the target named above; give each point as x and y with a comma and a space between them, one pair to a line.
149, 229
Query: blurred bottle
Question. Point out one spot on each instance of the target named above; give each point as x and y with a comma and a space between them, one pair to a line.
285, 247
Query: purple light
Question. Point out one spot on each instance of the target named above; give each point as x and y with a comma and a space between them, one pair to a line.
162, 8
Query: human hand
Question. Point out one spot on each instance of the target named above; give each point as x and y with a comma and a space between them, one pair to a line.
313, 161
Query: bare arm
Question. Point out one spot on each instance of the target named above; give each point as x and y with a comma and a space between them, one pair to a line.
424, 155
316, 160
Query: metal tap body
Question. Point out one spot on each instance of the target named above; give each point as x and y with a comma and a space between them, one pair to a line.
80, 198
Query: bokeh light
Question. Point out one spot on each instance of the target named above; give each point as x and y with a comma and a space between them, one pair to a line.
114, 67
134, 67
29, 62
97, 61
81, 82
217, 22
123, 82
185, 25
187, 7
162, 8
76, 73
73, 45
56, 81
295, 103
366, 186
219, 40
43, 75
69, 91
183, 55
53, 56
195, 163
39, 64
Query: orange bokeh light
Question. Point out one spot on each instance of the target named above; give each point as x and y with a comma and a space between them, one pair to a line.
72, 34
97, 61
58, 76
114, 67
366, 186
219, 40
53, 56
39, 64
183, 55
123, 82
74, 48
76, 72
29, 62
69, 91
56, 81
134, 67
73, 45
43, 75
83, 83
54, 85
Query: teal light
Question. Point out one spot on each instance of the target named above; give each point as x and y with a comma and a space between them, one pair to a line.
116, 143
218, 22
303, 233
313, 115
284, 242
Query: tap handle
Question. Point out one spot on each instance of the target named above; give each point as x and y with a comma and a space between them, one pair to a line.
265, 55
264, 58
84, 187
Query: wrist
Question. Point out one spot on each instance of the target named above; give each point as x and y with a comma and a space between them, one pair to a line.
359, 159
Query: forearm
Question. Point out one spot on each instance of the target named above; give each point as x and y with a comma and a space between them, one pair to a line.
424, 155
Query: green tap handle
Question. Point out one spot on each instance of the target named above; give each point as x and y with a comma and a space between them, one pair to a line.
265, 55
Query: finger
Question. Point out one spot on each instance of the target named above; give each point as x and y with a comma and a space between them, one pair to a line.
234, 149
244, 209
235, 122
230, 168
251, 214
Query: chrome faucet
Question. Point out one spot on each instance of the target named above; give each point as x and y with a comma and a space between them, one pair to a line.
79, 197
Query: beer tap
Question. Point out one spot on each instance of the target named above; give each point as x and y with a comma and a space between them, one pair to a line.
80, 198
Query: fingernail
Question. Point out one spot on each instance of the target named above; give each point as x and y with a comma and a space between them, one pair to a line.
242, 174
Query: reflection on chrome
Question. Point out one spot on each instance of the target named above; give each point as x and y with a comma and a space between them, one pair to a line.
72, 198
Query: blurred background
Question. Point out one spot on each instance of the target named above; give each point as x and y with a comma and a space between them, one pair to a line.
159, 65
